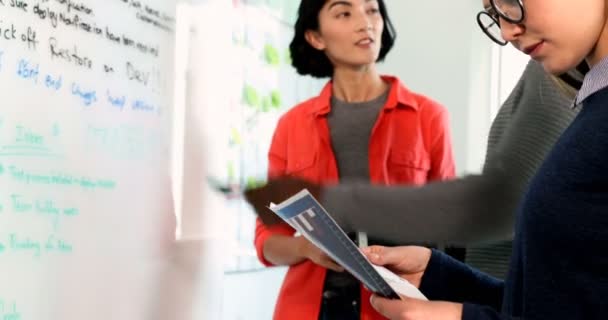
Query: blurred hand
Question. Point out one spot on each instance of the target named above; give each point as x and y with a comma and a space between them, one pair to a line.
414, 309
313, 253
408, 262
276, 191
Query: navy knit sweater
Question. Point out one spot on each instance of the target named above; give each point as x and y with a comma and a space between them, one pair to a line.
559, 267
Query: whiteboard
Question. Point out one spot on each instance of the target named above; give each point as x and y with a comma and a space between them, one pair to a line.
86, 215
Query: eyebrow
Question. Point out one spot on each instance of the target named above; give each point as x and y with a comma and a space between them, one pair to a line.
337, 3
346, 3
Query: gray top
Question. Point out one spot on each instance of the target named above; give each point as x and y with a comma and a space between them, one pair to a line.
475, 208
350, 128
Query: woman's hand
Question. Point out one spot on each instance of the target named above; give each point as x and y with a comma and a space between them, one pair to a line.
308, 250
414, 309
408, 262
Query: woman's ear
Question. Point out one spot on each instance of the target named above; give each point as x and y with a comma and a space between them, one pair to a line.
314, 39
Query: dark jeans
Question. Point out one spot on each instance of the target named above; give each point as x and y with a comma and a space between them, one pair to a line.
341, 297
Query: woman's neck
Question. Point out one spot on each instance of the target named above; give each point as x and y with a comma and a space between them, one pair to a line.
600, 51
357, 85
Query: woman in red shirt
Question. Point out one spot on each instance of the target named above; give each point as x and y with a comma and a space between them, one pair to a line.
362, 126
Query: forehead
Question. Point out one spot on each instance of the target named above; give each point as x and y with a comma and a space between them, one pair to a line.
347, 2
486, 3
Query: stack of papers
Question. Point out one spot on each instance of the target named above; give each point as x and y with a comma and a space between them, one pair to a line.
304, 213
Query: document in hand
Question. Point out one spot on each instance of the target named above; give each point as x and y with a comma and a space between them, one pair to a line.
304, 213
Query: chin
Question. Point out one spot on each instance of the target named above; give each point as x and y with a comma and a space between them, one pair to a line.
557, 67
364, 62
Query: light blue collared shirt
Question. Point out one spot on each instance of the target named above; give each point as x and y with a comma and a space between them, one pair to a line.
595, 80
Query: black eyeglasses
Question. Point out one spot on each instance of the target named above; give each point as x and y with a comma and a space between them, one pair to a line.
511, 11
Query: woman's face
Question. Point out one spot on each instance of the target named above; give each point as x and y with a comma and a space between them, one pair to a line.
557, 33
350, 32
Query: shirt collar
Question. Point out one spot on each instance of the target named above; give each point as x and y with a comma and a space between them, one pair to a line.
398, 96
595, 80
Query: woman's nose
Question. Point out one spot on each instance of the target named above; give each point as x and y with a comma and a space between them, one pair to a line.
364, 22
510, 31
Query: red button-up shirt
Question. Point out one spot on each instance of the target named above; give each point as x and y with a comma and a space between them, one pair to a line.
410, 144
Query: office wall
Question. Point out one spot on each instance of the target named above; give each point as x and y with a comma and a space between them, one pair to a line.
251, 295
441, 52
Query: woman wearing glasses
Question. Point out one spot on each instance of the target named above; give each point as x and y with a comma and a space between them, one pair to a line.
560, 255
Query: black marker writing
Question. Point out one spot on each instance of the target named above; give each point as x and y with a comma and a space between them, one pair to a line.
8, 33
108, 69
19, 4
134, 74
68, 55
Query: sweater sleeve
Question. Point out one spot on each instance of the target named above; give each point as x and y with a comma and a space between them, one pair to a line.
450, 280
478, 312
456, 212
474, 208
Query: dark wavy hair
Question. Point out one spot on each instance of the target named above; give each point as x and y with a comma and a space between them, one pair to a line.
309, 61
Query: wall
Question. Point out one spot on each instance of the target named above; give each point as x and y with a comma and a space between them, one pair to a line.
251, 295
441, 52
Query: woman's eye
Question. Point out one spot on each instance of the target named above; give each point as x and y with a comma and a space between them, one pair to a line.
343, 14
373, 10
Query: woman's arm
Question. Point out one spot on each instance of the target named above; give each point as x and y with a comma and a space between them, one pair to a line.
474, 208
441, 279
450, 280
455, 212
274, 244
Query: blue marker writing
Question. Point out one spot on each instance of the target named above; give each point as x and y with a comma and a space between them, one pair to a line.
53, 83
142, 106
88, 97
25, 71
118, 102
